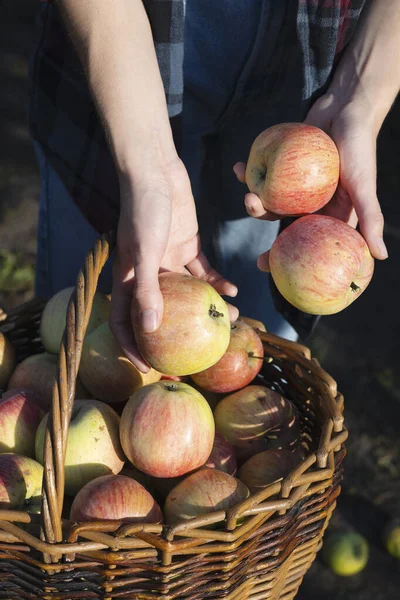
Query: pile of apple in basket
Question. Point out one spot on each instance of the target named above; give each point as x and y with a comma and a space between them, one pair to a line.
201, 430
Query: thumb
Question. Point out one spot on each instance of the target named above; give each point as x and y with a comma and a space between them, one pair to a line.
147, 301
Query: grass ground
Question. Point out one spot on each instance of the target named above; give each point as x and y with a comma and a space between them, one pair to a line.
359, 347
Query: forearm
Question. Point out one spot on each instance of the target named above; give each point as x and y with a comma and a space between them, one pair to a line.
114, 42
369, 71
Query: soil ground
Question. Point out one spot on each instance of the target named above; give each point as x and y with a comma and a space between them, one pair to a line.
360, 347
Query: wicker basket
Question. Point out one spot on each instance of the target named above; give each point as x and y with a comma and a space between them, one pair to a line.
265, 557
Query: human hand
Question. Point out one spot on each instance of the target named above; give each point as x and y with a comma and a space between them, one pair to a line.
157, 231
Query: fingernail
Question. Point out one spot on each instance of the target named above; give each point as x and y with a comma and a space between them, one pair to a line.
149, 320
248, 207
382, 249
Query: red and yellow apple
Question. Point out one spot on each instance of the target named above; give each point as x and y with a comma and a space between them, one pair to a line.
115, 498
93, 446
194, 331
54, 317
222, 456
167, 429
239, 365
20, 481
105, 370
7, 360
256, 418
264, 468
20, 415
202, 492
38, 373
293, 168
320, 264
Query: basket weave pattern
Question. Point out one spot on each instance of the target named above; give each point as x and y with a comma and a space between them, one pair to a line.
261, 548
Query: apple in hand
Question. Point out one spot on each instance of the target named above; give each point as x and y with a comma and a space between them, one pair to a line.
256, 418
105, 370
320, 264
93, 446
264, 468
38, 373
20, 481
239, 365
115, 498
7, 360
202, 492
54, 317
167, 429
194, 331
293, 168
20, 415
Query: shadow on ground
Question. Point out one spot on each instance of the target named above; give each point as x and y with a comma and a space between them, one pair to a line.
359, 347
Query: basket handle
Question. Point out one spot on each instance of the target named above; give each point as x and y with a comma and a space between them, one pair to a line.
78, 313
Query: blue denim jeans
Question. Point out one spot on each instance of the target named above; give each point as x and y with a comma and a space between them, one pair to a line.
223, 42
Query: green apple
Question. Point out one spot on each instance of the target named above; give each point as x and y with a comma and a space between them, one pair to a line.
391, 539
345, 553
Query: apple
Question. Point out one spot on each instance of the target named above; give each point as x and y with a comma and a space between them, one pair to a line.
211, 397
194, 331
20, 415
222, 456
167, 429
116, 498
254, 323
264, 468
239, 365
93, 447
391, 538
20, 481
293, 168
320, 264
203, 492
7, 360
38, 373
54, 317
105, 370
256, 418
345, 553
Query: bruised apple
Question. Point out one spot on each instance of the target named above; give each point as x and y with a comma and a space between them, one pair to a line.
194, 331
202, 492
93, 446
320, 264
239, 365
256, 418
293, 168
38, 373
20, 415
264, 468
115, 498
7, 360
54, 317
106, 372
222, 456
167, 429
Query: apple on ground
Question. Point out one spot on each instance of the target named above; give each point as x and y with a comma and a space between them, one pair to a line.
167, 429
256, 418
346, 553
105, 370
38, 373
7, 360
93, 446
239, 365
194, 331
54, 317
222, 456
391, 538
203, 492
265, 468
20, 415
116, 498
320, 264
293, 168
20, 481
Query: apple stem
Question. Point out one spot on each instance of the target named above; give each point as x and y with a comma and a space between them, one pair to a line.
213, 312
267, 359
354, 287
171, 387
